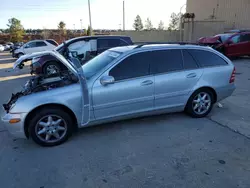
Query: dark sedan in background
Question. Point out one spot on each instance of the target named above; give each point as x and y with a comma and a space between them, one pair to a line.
84, 48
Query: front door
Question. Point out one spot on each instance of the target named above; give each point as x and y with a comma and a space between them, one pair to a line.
32, 47
237, 46
132, 91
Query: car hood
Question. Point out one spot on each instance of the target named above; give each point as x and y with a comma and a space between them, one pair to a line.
209, 40
19, 62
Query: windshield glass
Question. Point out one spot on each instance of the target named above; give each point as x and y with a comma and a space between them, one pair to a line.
224, 37
99, 62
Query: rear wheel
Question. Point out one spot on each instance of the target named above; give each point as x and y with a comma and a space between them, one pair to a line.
200, 103
50, 127
51, 68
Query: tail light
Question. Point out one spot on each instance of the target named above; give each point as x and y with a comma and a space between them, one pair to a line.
232, 78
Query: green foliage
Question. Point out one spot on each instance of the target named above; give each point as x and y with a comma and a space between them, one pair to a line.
174, 21
148, 24
161, 25
16, 30
89, 31
138, 26
61, 25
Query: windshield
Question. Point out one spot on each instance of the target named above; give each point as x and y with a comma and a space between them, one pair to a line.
224, 37
99, 62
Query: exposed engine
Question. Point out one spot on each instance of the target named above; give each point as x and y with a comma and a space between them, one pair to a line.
42, 83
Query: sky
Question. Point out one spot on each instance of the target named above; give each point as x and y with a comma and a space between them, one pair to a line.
106, 14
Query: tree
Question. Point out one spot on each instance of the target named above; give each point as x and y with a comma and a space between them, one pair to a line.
16, 30
62, 29
148, 25
89, 31
174, 21
161, 25
138, 23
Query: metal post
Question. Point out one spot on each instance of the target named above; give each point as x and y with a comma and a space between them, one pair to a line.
81, 25
181, 22
123, 16
90, 23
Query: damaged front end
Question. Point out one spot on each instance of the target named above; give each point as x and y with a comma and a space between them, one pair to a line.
43, 82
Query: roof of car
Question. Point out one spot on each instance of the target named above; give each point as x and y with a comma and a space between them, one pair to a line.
157, 46
97, 36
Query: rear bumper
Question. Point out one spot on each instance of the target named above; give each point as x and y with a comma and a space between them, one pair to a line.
224, 92
15, 129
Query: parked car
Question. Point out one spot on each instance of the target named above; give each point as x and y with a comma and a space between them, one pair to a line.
85, 48
230, 44
33, 46
120, 83
1, 48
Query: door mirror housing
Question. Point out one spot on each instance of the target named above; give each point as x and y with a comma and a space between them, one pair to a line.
106, 80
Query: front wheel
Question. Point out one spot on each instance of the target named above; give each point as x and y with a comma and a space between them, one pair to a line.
200, 103
50, 127
51, 68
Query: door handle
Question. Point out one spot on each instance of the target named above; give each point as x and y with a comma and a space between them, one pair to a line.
146, 82
191, 75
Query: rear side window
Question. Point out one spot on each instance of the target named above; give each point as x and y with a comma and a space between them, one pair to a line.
189, 61
134, 66
52, 42
207, 59
164, 61
40, 44
245, 38
110, 43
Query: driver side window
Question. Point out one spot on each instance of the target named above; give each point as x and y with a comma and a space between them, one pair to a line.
80, 48
134, 66
235, 39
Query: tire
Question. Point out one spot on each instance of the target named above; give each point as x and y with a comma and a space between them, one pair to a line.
19, 55
51, 68
50, 133
195, 103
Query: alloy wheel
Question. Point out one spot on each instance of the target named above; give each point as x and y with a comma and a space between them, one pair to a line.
52, 69
51, 128
201, 103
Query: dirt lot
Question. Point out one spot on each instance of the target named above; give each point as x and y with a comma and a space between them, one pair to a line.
161, 151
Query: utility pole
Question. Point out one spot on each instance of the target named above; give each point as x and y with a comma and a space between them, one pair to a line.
90, 24
123, 15
81, 25
181, 23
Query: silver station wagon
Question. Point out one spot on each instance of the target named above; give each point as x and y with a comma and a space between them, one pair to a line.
123, 82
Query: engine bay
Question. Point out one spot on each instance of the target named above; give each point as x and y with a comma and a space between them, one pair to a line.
42, 83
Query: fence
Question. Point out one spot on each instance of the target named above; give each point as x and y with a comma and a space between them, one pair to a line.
151, 36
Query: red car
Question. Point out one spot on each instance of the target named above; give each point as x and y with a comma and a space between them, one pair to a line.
230, 44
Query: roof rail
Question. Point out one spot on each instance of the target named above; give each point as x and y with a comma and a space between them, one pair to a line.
180, 43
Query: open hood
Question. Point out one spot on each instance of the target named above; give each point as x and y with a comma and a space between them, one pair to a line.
209, 40
69, 64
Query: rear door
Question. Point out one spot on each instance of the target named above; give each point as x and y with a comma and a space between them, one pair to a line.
42, 46
174, 78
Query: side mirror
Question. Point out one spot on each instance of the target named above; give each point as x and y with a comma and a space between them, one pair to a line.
106, 80
26, 46
229, 42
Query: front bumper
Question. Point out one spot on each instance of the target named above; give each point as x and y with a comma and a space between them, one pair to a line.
15, 129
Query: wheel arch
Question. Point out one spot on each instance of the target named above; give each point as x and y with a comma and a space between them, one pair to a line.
51, 105
202, 88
